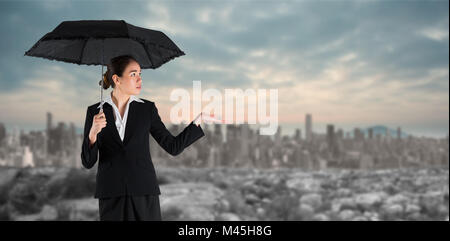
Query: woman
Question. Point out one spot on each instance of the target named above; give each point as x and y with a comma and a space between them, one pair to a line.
126, 183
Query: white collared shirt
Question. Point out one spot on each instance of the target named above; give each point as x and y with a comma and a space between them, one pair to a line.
121, 123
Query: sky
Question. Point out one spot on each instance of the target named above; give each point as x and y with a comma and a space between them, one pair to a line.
348, 63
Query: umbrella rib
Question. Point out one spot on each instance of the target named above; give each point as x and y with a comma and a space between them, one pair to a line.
82, 50
146, 51
160, 55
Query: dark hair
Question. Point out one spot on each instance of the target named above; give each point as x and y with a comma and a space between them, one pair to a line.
116, 66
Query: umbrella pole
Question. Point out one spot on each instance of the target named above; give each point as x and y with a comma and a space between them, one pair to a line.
101, 91
101, 79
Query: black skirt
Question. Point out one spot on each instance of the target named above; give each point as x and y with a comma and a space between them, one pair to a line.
130, 208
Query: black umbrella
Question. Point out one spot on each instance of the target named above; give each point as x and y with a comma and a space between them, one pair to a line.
95, 42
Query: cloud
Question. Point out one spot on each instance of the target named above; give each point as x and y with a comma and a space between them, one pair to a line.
344, 61
437, 34
50, 89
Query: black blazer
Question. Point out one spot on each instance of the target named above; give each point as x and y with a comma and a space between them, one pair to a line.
126, 168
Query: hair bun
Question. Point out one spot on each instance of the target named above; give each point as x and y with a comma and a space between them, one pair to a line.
106, 81
116, 66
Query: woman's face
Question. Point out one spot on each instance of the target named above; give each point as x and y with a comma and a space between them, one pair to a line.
130, 83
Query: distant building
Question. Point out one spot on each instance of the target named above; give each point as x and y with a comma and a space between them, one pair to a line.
308, 127
27, 160
298, 135
48, 129
278, 136
358, 135
2, 133
61, 143
218, 135
245, 144
340, 134
331, 139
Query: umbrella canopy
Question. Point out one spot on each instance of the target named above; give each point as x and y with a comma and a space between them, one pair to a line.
95, 42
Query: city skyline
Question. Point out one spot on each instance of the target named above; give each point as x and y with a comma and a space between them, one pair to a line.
306, 133
317, 128
375, 148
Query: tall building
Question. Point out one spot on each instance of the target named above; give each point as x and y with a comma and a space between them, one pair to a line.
49, 121
399, 133
340, 134
298, 135
245, 144
15, 137
48, 134
60, 145
308, 127
78, 143
332, 140
370, 133
218, 136
330, 136
233, 145
358, 135
278, 136
2, 132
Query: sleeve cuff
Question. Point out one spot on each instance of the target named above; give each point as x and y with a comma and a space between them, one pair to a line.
196, 132
91, 149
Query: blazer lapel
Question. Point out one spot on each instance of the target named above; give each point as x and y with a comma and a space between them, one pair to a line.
131, 122
111, 123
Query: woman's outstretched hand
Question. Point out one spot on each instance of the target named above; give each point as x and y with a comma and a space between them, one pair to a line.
206, 118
